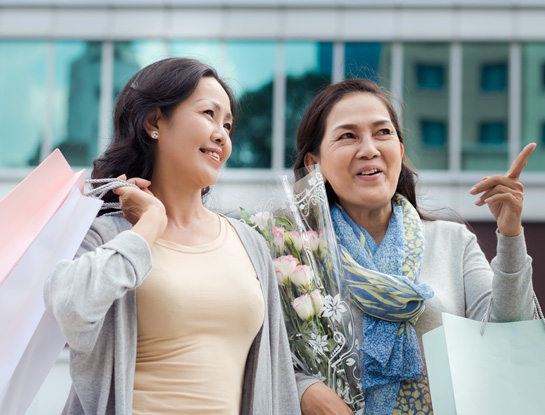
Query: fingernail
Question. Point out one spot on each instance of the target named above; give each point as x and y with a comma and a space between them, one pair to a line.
473, 189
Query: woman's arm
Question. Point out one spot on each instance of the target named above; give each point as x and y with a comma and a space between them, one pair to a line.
110, 261
512, 291
79, 293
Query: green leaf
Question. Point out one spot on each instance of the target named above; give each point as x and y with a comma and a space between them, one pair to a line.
245, 216
285, 223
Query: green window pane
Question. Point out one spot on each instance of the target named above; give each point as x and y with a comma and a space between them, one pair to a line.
130, 57
426, 104
308, 70
533, 103
485, 106
23, 101
206, 51
368, 60
76, 100
249, 69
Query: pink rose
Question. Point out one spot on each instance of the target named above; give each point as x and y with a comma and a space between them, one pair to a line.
278, 238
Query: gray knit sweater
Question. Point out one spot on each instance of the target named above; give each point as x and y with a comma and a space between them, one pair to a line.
93, 298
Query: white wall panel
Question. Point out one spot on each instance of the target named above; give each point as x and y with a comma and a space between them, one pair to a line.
196, 24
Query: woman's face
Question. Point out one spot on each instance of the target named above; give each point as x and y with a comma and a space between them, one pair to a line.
360, 153
194, 142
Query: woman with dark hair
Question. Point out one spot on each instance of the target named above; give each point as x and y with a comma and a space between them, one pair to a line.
172, 308
352, 132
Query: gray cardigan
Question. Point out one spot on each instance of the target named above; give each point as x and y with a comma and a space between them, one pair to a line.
463, 280
93, 298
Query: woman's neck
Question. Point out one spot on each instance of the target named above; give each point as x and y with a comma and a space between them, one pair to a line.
374, 221
189, 221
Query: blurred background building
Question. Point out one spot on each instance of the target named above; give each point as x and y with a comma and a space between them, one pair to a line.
468, 77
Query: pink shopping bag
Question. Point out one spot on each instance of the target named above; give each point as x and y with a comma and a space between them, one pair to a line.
27, 208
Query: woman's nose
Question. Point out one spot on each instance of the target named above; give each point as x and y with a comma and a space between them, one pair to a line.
367, 148
220, 135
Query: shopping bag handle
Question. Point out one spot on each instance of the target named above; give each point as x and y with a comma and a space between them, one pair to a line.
107, 185
538, 313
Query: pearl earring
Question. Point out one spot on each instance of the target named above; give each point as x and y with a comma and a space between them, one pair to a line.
155, 135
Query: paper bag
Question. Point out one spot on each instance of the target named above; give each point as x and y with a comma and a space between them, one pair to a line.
499, 373
26, 209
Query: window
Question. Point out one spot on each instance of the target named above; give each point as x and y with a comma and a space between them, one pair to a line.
485, 106
430, 76
308, 70
533, 102
492, 133
494, 77
252, 66
23, 101
426, 104
434, 133
77, 97
130, 57
368, 60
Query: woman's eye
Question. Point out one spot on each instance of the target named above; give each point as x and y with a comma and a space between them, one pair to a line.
209, 112
385, 132
346, 135
227, 126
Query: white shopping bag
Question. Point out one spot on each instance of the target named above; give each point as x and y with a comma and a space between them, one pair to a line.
501, 372
31, 341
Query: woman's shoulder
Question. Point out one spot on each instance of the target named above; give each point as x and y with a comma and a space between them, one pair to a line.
446, 229
244, 230
106, 228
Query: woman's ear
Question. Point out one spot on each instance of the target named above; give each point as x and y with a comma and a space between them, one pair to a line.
310, 160
151, 124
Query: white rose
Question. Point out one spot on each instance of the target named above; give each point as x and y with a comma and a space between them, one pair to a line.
261, 219
304, 307
308, 305
284, 267
296, 239
302, 276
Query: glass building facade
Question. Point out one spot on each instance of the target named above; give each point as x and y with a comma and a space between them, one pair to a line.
56, 99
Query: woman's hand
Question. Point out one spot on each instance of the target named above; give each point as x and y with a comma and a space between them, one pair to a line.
319, 399
504, 195
142, 209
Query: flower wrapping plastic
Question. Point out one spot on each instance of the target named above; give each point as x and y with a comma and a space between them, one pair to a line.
299, 232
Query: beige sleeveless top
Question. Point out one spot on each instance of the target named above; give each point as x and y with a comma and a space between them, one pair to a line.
199, 311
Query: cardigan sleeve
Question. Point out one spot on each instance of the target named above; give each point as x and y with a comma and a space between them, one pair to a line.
508, 279
79, 293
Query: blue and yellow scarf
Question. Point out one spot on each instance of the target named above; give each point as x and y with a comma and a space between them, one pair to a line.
382, 280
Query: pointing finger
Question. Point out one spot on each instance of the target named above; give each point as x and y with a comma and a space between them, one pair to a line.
520, 162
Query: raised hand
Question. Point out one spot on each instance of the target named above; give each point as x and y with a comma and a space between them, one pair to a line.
504, 194
142, 209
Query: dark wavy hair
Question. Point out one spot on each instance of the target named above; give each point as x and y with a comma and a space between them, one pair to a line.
163, 85
312, 128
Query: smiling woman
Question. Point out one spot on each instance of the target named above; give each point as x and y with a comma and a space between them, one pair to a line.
172, 308
352, 132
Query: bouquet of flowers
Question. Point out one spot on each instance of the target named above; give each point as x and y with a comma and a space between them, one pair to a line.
305, 254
